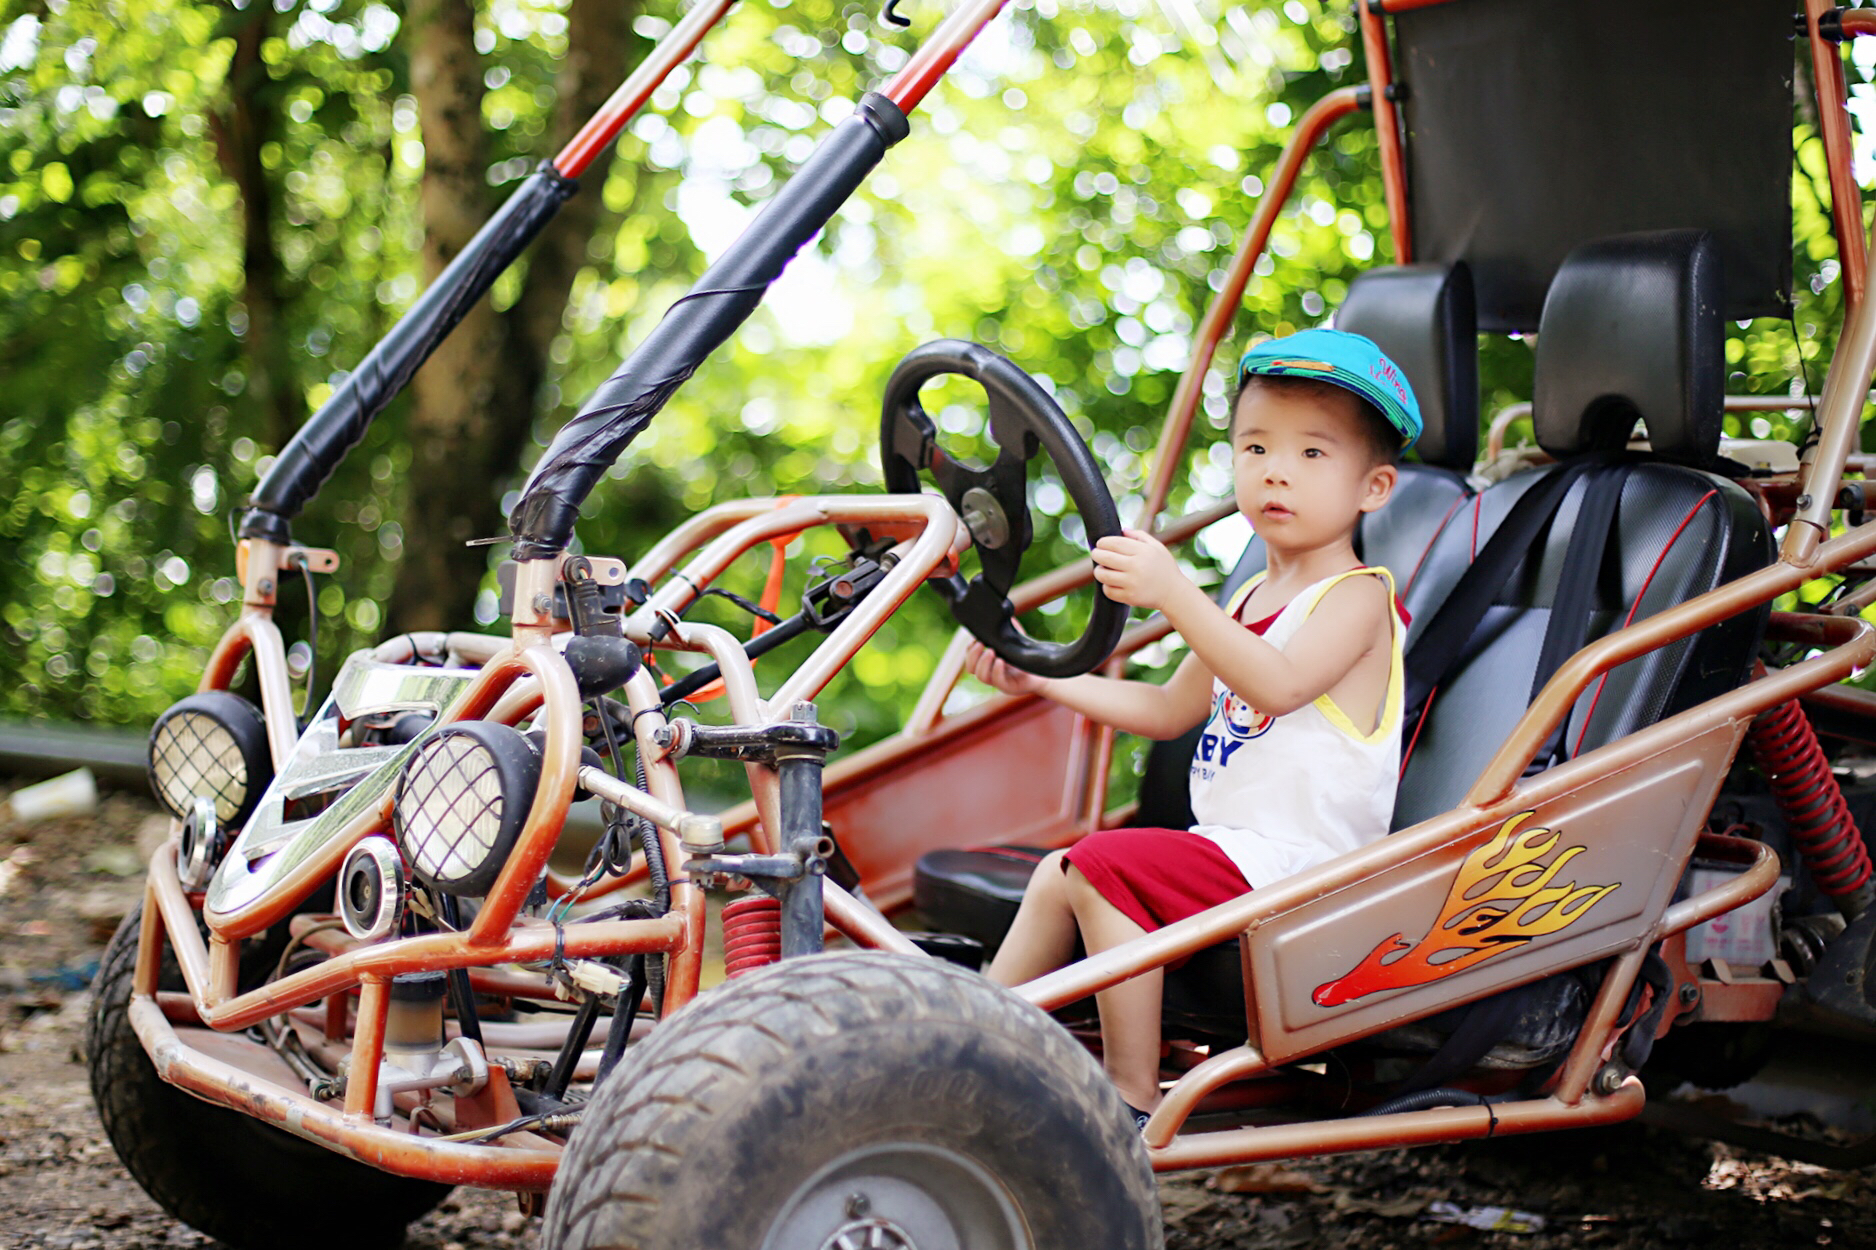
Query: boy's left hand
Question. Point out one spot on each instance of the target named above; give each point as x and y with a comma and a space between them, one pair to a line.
1137, 570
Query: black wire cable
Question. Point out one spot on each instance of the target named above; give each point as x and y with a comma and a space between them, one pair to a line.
462, 997
747, 605
624, 1016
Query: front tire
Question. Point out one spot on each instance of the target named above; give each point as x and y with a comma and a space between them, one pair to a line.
223, 1173
856, 1100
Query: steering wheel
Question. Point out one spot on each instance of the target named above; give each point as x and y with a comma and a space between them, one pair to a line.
993, 502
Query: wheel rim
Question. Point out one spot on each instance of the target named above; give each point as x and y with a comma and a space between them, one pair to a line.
900, 1196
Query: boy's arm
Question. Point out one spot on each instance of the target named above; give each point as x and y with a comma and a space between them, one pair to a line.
1137, 570
1135, 707
1340, 631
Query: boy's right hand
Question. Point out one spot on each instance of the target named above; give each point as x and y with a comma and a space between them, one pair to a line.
982, 663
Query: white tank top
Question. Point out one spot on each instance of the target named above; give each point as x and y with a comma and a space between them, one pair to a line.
1283, 794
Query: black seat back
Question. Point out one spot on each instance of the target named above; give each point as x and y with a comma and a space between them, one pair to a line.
1631, 330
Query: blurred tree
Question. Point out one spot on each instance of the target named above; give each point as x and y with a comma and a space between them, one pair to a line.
1070, 195
474, 404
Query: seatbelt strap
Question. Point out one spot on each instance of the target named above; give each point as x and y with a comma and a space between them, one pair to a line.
1574, 601
1440, 648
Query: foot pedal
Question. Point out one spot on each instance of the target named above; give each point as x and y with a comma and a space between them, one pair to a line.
963, 951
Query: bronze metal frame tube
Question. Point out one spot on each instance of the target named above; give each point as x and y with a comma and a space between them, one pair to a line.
1760, 875
426, 953
492, 1166
1380, 61
1846, 197
1223, 309
254, 632
1839, 426
1411, 1128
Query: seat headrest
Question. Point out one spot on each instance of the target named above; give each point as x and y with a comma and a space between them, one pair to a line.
1632, 330
1423, 317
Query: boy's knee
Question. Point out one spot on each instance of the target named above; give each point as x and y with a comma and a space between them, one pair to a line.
1052, 862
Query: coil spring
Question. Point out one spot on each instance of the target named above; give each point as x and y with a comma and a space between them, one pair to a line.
1788, 753
752, 934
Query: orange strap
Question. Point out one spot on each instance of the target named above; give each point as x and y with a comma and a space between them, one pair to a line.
771, 599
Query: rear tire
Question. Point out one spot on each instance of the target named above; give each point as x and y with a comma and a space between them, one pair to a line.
221, 1172
856, 1100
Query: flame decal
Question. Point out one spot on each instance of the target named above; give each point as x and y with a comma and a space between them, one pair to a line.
1501, 898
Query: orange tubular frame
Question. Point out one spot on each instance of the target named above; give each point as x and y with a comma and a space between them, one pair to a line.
1387, 122
1223, 309
1846, 198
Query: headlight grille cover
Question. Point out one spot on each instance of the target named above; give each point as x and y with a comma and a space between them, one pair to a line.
461, 803
213, 744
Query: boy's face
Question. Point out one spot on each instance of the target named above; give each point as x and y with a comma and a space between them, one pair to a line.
1304, 470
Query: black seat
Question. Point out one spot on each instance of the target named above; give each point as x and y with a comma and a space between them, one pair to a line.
1631, 332
1422, 316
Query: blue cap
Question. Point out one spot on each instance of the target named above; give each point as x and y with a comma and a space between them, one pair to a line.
1347, 360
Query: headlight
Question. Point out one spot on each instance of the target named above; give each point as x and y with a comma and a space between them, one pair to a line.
461, 803
212, 744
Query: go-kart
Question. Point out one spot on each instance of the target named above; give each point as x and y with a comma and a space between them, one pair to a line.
1502, 963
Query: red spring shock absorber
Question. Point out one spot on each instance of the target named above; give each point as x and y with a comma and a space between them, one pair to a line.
752, 934
1788, 753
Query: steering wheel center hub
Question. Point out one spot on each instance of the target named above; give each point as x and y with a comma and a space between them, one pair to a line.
993, 502
984, 517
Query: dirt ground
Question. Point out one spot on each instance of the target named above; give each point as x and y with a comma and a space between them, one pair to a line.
65, 883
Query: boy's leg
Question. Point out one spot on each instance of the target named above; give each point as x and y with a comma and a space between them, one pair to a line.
1042, 937
1130, 1032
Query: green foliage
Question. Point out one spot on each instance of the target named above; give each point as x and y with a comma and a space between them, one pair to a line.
1070, 194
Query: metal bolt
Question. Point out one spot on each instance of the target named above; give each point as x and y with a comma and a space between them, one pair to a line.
1610, 1079
267, 586
857, 1206
543, 604
1690, 994
805, 711
1804, 501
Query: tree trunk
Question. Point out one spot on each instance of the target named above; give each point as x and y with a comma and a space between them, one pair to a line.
449, 500
475, 402
249, 120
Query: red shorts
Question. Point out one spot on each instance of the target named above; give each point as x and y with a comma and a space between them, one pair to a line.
1157, 876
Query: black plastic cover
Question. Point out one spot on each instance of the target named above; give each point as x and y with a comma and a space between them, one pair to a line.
696, 325
1536, 125
1632, 330
316, 449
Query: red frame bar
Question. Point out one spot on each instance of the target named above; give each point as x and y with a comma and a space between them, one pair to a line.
1223, 309
1846, 198
1387, 122
671, 51
937, 54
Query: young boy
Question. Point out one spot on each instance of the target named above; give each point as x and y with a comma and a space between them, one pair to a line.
1298, 683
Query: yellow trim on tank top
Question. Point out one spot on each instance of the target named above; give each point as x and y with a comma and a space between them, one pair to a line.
1397, 664
1396, 668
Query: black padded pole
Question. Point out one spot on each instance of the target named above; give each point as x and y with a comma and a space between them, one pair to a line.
696, 325
316, 449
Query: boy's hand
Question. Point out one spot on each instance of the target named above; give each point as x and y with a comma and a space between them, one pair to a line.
1137, 570
982, 663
